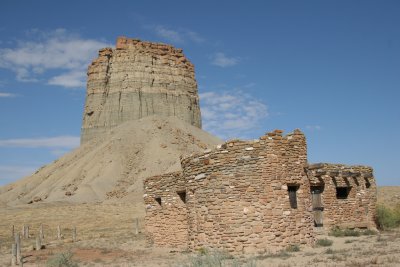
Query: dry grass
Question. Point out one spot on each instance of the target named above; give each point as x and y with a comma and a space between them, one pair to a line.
106, 238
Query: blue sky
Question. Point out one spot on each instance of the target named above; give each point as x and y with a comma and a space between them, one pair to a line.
330, 68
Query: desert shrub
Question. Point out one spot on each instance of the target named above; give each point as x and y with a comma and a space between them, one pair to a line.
329, 251
293, 248
63, 259
351, 232
206, 258
324, 242
336, 231
369, 232
387, 218
283, 254
339, 232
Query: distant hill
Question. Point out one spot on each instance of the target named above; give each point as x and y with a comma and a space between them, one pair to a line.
389, 195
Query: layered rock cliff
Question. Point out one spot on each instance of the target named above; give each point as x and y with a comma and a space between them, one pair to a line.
135, 80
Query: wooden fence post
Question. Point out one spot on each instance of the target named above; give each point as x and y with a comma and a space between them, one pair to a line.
13, 231
38, 243
74, 234
27, 232
13, 254
58, 232
18, 247
137, 226
41, 234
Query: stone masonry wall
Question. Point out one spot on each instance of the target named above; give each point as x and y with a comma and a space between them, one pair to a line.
138, 79
359, 208
166, 224
238, 197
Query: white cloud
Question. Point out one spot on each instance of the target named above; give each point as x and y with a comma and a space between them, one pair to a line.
230, 114
176, 36
194, 36
58, 51
7, 95
71, 79
221, 60
313, 127
68, 142
168, 34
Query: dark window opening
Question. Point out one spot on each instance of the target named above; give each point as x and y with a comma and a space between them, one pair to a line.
158, 200
367, 183
342, 192
292, 189
182, 196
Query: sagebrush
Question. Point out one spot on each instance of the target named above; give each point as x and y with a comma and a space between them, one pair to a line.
63, 259
387, 218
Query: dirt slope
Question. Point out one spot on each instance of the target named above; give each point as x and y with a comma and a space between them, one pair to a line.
113, 167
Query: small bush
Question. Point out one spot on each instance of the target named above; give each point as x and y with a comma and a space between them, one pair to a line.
369, 232
324, 242
293, 248
387, 218
63, 259
329, 251
351, 232
336, 232
206, 258
339, 232
283, 254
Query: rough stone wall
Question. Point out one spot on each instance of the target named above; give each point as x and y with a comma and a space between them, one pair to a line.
138, 79
166, 224
359, 208
237, 196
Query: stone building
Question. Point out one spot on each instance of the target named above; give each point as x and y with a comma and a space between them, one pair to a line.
255, 197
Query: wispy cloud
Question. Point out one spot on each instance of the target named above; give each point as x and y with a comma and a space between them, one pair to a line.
67, 142
168, 34
231, 114
57, 51
313, 127
221, 60
71, 79
7, 95
13, 172
175, 36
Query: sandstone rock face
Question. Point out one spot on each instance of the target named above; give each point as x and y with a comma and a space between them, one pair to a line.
135, 80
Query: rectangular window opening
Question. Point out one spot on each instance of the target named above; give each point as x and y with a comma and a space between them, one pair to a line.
158, 200
367, 183
182, 195
292, 189
342, 192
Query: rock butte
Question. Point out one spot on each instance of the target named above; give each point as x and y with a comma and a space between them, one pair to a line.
135, 80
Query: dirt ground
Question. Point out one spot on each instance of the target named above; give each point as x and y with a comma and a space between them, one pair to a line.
106, 237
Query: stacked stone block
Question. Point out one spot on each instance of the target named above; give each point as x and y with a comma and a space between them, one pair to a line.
166, 222
238, 199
